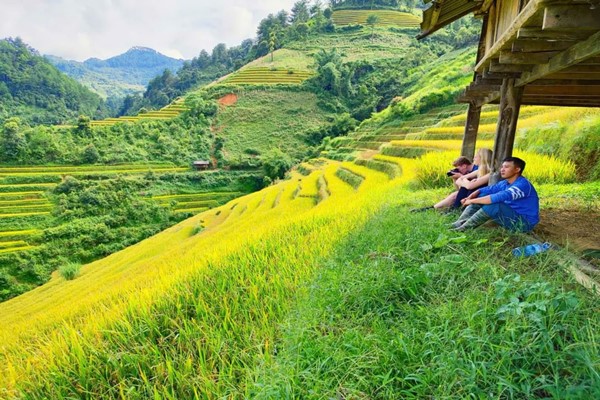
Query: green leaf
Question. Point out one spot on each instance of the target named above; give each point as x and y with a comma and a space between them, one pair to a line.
441, 241
453, 259
426, 247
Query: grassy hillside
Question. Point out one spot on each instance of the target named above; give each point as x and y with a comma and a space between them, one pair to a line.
254, 125
228, 304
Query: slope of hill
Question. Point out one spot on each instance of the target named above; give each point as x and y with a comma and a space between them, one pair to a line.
34, 90
120, 75
321, 285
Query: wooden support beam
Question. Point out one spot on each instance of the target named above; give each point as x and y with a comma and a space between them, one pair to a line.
576, 76
508, 57
562, 101
471, 129
539, 34
533, 46
508, 115
563, 90
500, 75
571, 17
435, 15
582, 68
567, 82
572, 56
495, 66
479, 89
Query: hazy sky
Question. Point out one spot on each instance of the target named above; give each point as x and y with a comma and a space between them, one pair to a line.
80, 29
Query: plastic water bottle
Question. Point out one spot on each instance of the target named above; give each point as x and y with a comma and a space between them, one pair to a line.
531, 249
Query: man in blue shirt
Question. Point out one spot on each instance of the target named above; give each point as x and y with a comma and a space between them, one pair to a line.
512, 202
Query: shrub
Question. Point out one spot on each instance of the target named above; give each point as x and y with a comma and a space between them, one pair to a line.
276, 163
349, 177
69, 271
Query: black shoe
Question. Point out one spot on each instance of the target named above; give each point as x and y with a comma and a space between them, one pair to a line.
415, 210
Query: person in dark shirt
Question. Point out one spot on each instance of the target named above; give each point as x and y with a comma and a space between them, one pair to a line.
512, 202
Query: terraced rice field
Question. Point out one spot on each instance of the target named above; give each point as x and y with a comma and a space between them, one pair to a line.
447, 124
168, 112
386, 18
263, 75
196, 202
24, 208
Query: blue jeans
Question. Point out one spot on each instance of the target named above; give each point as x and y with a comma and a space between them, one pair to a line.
507, 217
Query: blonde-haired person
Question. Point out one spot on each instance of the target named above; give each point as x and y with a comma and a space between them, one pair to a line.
483, 159
477, 178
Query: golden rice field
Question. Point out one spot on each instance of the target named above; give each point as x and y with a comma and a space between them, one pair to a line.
51, 326
431, 127
265, 75
386, 18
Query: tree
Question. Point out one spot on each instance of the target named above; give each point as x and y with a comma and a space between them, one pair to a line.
90, 155
272, 43
83, 124
300, 12
276, 163
372, 20
13, 140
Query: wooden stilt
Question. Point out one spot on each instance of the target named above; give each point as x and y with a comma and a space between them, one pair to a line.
471, 129
508, 115
474, 112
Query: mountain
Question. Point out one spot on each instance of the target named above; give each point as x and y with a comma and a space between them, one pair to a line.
34, 90
118, 76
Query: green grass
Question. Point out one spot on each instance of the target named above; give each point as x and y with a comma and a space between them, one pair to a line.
359, 45
351, 178
263, 75
255, 123
406, 309
284, 59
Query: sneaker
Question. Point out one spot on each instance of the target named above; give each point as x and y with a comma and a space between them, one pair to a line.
415, 210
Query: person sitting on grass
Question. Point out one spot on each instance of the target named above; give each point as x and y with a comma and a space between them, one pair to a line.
467, 184
478, 177
512, 202
462, 166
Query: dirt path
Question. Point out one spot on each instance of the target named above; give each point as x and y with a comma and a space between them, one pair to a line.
577, 229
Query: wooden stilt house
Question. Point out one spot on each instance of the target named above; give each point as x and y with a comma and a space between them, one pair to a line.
542, 52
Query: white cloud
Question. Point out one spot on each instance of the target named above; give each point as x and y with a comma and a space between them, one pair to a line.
80, 29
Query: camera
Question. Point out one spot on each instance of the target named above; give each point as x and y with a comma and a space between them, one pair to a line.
452, 172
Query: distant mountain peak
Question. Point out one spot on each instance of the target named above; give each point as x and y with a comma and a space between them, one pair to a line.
142, 48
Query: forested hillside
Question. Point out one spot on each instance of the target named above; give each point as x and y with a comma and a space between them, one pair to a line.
34, 90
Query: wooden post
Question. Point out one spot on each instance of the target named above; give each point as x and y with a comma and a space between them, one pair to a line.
471, 129
508, 115
474, 112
